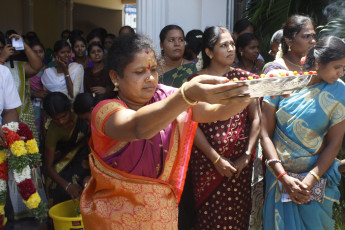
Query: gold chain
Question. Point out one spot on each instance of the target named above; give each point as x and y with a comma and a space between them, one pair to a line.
299, 66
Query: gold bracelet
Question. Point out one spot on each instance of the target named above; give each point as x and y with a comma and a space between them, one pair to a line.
314, 174
215, 162
184, 96
67, 76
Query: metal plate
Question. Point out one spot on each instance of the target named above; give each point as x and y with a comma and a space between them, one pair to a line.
271, 86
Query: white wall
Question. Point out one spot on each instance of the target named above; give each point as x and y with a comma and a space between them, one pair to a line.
197, 14
153, 15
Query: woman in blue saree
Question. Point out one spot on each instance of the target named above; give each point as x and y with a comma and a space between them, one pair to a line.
303, 134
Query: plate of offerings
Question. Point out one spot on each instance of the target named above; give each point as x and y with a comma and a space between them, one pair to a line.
276, 84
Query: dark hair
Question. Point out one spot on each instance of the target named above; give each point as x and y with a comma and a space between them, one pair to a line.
292, 27
131, 30
326, 50
241, 25
60, 44
209, 40
77, 38
123, 50
36, 43
96, 33
2, 38
10, 32
55, 103
242, 41
111, 36
166, 29
103, 32
83, 103
31, 36
77, 32
277, 37
193, 43
65, 31
94, 44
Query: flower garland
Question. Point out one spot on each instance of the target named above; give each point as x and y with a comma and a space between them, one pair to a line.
21, 156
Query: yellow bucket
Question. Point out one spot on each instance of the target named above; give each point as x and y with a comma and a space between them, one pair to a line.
65, 217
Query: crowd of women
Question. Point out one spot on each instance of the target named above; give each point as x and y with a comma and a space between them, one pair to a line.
172, 140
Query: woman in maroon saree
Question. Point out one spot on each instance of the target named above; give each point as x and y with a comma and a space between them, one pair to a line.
221, 161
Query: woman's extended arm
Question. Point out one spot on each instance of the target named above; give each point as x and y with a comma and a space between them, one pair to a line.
127, 125
74, 190
334, 140
34, 63
296, 189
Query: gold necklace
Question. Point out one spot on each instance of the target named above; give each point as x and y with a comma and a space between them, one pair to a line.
299, 66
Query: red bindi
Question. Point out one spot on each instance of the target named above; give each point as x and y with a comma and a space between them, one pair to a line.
147, 52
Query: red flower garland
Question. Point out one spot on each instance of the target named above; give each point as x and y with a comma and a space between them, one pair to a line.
4, 171
26, 188
11, 137
24, 131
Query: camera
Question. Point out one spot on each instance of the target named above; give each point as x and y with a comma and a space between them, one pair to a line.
8, 41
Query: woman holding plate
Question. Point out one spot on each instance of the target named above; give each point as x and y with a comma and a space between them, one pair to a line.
303, 135
141, 139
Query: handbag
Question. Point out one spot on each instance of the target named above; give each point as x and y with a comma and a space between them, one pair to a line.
317, 192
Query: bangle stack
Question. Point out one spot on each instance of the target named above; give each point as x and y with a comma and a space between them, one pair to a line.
184, 96
267, 162
69, 184
281, 175
215, 162
314, 174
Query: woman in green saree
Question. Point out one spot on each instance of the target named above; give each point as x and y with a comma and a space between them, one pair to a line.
66, 150
174, 70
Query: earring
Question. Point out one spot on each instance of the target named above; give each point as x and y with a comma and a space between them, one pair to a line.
289, 48
211, 56
241, 54
116, 87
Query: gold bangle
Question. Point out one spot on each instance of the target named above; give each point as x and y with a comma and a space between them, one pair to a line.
314, 174
215, 162
67, 76
184, 96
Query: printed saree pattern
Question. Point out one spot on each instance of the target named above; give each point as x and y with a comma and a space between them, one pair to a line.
176, 77
114, 199
303, 121
222, 202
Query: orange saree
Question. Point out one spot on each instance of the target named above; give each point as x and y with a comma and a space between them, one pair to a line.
114, 199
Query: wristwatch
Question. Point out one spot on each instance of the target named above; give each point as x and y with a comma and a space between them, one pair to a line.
247, 153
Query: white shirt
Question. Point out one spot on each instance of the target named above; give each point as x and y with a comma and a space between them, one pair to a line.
55, 82
9, 97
